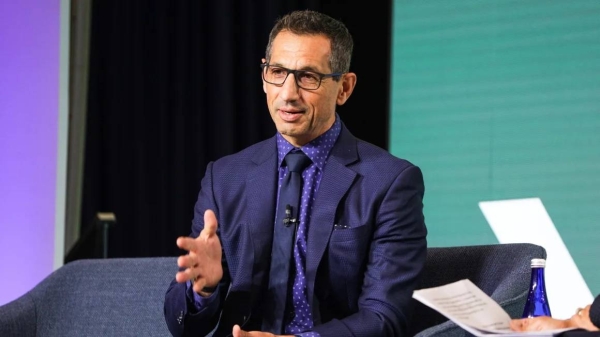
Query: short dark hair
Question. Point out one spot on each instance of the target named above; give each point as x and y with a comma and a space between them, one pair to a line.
307, 22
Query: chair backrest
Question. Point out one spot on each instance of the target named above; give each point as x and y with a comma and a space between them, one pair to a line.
97, 297
503, 271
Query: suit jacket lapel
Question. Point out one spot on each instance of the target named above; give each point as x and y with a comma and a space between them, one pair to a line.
335, 182
261, 199
257, 217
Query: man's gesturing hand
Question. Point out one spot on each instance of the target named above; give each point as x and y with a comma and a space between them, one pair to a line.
238, 332
203, 261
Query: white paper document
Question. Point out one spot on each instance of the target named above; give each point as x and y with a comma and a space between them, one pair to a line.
473, 310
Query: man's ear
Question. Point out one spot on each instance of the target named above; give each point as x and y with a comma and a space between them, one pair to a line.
346, 89
263, 60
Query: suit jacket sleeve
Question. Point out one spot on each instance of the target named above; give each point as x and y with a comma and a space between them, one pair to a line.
182, 317
396, 259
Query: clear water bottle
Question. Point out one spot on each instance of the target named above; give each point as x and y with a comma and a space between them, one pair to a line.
537, 300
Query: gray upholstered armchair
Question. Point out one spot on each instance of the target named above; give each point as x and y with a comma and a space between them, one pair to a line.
502, 271
125, 297
98, 297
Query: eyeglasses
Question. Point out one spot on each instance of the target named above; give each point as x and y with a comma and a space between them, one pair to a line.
307, 80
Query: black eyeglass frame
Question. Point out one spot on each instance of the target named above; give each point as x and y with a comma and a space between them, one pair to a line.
321, 76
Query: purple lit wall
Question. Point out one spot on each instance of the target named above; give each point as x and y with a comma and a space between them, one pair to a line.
29, 118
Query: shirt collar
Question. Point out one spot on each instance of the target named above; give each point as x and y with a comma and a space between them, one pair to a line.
317, 149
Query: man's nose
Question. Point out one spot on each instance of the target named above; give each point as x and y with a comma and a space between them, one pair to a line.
289, 88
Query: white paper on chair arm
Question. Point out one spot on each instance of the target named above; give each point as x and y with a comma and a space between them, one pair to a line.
471, 309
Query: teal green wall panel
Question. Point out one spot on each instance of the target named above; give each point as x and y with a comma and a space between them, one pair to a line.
500, 100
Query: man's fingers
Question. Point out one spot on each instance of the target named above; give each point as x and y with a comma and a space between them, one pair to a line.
238, 332
184, 275
199, 283
210, 224
186, 243
204, 255
187, 261
191, 274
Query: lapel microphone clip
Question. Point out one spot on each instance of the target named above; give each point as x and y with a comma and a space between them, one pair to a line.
289, 220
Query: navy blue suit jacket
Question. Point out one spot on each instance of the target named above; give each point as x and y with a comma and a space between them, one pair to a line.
366, 241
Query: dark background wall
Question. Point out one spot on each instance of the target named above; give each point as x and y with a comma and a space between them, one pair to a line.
176, 84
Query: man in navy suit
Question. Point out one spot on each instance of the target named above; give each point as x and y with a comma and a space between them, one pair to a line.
360, 239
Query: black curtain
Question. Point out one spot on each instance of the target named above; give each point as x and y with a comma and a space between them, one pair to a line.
176, 84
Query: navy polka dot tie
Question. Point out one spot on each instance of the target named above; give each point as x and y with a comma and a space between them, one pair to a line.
283, 239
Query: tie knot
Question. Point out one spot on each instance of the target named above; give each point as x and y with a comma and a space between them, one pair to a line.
297, 161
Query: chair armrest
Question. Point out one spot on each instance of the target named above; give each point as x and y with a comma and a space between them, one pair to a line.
18, 318
446, 329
